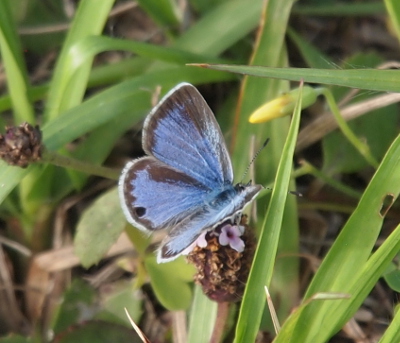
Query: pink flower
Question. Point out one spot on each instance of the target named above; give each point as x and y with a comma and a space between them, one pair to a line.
230, 234
200, 242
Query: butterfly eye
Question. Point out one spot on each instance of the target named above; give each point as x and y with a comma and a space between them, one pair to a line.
140, 211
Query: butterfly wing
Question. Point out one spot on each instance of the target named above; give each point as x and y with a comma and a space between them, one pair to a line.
182, 132
155, 196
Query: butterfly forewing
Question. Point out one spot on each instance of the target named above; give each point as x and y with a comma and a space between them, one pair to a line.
182, 132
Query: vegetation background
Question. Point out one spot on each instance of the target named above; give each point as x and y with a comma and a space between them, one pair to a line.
87, 72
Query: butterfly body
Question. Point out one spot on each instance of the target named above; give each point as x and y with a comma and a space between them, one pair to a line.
185, 184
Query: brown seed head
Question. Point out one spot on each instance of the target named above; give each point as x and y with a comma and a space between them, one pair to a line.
221, 270
21, 145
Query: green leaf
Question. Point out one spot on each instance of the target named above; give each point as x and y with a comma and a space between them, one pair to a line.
99, 227
170, 282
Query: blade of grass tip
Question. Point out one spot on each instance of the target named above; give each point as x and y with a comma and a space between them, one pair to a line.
67, 90
136, 328
264, 258
371, 79
14, 66
272, 311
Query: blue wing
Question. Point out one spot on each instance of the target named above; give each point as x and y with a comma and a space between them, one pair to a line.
182, 132
155, 196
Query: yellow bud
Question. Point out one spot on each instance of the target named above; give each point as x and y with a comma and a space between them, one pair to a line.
284, 105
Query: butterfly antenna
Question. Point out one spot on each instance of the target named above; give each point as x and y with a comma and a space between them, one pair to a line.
254, 158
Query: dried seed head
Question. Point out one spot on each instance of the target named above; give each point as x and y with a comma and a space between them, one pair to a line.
21, 145
223, 265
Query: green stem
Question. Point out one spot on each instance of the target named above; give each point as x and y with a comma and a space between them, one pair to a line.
361, 147
88, 168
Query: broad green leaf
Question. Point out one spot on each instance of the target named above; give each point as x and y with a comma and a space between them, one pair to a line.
170, 282
99, 227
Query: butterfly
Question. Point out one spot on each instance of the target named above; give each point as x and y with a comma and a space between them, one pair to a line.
185, 183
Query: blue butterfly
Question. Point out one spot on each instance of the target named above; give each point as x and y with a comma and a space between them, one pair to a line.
185, 183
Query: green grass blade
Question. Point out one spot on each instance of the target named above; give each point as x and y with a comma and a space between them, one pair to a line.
14, 65
372, 79
263, 263
66, 90
203, 314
